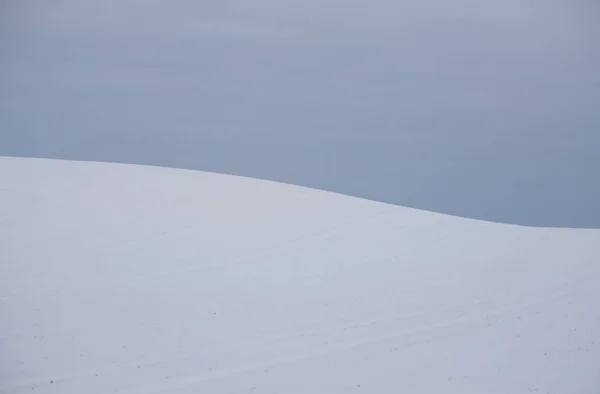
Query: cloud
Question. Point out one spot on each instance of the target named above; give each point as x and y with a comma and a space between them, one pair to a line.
491, 97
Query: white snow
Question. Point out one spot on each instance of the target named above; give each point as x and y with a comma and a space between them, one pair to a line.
129, 279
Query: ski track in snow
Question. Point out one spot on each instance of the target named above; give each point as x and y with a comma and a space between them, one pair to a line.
131, 279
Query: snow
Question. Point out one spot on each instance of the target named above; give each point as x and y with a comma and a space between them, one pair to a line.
130, 279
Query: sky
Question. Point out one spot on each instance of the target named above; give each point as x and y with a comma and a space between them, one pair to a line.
488, 110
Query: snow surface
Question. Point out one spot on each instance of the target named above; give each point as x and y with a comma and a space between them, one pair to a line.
129, 279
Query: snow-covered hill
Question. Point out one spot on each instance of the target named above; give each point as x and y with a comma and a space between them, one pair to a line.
130, 279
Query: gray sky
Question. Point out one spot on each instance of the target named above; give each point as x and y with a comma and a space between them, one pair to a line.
481, 109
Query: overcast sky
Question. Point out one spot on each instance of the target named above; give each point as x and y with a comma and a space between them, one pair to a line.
485, 109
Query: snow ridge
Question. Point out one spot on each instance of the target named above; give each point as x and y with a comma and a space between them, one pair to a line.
121, 278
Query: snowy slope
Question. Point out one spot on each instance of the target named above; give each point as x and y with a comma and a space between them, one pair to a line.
130, 279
